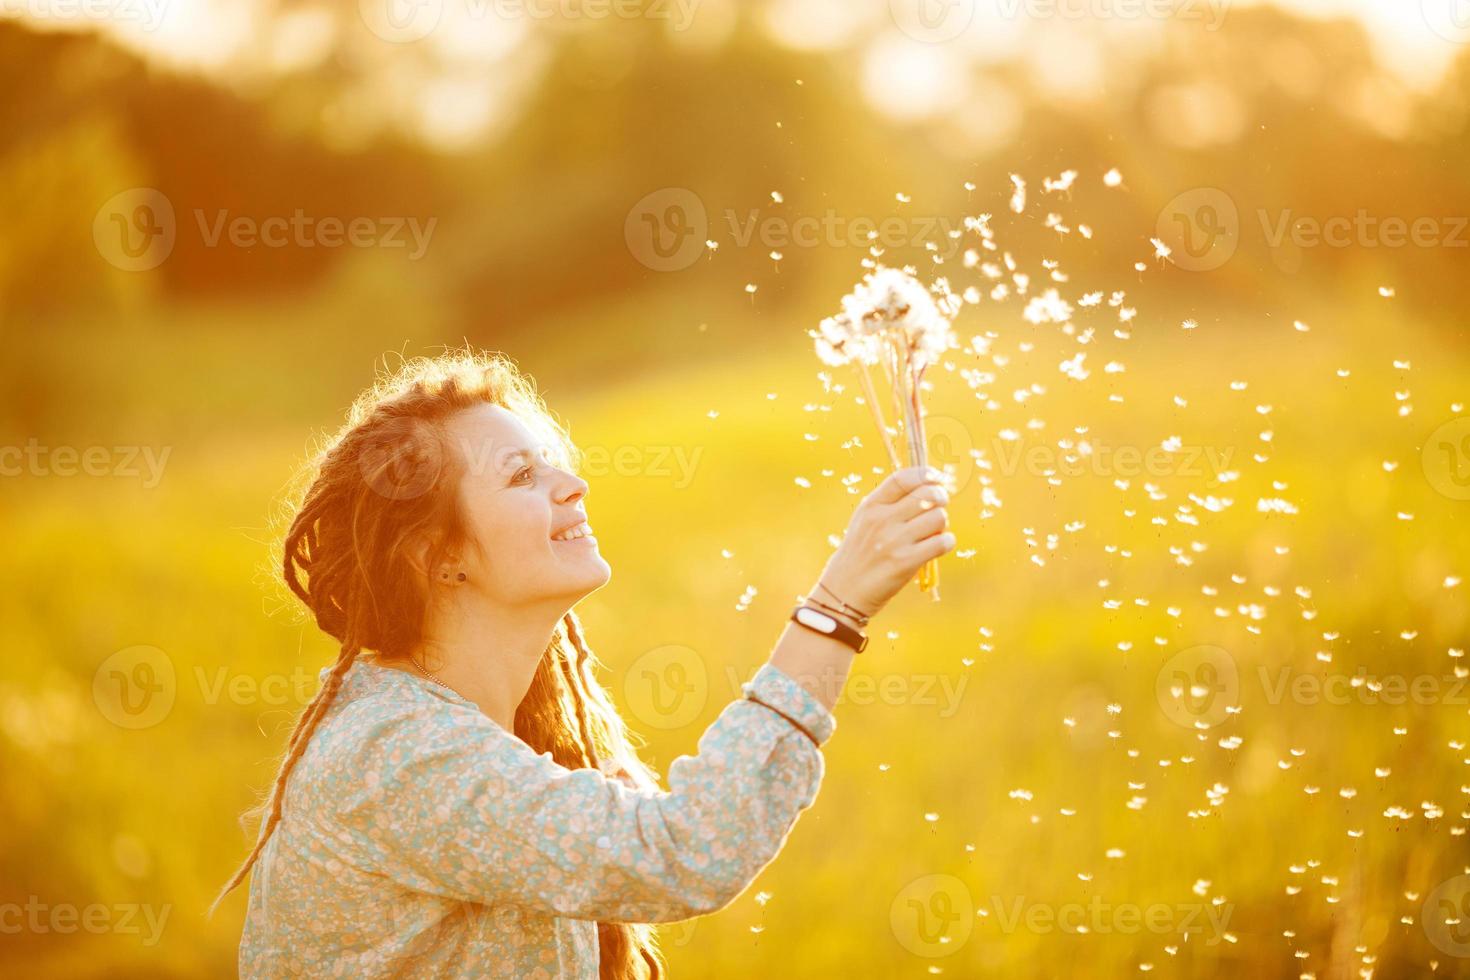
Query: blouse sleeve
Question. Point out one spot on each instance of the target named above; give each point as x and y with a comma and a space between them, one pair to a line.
450, 803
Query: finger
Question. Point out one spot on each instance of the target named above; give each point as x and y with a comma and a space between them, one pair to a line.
900, 482
921, 501
934, 546
926, 524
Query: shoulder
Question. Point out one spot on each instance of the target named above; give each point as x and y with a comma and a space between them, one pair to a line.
393, 740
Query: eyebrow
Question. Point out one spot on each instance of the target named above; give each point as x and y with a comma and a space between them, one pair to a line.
525, 454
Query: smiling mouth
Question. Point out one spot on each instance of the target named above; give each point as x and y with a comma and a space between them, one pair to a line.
572, 535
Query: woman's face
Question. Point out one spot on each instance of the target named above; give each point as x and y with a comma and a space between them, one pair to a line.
514, 499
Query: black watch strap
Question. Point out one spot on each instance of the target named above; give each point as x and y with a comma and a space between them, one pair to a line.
820, 622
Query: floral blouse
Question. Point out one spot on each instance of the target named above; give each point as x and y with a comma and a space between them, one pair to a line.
420, 838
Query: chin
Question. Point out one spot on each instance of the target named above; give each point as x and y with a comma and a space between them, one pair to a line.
599, 573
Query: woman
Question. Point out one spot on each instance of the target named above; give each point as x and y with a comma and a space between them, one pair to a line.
460, 798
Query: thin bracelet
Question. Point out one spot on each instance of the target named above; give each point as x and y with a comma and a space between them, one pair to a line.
853, 611
860, 620
796, 724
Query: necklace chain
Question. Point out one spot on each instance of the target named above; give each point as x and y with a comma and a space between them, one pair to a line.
419, 667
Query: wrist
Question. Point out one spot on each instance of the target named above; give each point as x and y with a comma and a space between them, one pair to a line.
827, 609
841, 603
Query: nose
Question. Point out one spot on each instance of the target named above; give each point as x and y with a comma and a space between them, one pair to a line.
573, 489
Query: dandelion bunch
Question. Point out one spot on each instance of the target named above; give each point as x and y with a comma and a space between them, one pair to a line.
891, 320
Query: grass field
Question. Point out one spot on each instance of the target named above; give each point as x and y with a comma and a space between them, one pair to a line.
1010, 763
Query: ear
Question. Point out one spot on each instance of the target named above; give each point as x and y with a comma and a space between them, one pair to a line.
424, 555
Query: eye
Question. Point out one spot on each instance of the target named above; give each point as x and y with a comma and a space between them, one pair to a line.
523, 471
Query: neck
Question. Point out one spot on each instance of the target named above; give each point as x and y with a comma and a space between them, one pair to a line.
489, 653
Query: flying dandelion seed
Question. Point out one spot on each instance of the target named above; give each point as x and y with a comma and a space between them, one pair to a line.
1018, 195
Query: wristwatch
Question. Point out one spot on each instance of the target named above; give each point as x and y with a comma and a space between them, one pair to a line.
819, 622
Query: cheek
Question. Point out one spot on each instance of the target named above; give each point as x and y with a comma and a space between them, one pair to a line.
509, 532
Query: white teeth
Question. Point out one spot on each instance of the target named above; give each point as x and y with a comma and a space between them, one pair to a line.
580, 531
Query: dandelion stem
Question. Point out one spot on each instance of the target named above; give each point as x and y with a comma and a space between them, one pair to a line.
871, 397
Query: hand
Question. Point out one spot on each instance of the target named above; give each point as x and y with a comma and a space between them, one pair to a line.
893, 532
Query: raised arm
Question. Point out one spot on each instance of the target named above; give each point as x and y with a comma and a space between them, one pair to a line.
445, 801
